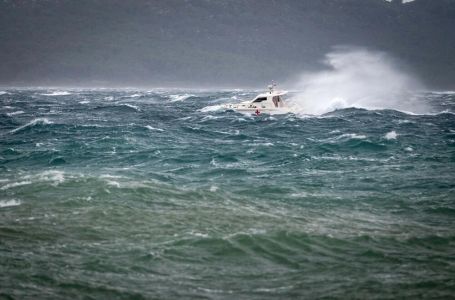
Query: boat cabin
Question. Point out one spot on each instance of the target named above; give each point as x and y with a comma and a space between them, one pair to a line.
269, 100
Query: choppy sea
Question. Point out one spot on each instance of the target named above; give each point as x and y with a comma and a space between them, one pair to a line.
135, 194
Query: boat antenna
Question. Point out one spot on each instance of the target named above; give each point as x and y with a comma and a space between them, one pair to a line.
272, 86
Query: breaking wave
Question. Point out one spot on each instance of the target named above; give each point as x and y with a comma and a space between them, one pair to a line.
358, 78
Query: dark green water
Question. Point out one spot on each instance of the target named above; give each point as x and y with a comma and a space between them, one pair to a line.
120, 194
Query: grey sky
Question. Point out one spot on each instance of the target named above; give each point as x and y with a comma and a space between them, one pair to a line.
208, 43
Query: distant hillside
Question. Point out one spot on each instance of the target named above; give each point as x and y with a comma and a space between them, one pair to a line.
209, 42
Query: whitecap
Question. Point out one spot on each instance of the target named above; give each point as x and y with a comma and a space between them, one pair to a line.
269, 290
335, 157
153, 128
131, 106
15, 184
209, 117
84, 102
110, 176
53, 175
214, 291
32, 123
3, 93
266, 144
447, 111
199, 234
249, 232
405, 121
211, 108
15, 113
392, 135
135, 96
240, 119
175, 98
8, 203
352, 136
113, 183
57, 93
350, 157
443, 92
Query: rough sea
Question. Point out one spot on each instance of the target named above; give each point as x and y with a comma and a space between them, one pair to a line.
135, 194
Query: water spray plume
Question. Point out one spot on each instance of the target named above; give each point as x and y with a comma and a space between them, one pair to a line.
358, 78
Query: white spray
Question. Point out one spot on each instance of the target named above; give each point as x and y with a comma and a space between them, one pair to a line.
357, 78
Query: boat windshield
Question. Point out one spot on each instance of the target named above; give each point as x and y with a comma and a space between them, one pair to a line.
260, 99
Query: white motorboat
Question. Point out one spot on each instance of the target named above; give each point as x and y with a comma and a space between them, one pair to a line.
270, 102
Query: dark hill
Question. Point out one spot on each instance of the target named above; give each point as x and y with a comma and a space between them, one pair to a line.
208, 42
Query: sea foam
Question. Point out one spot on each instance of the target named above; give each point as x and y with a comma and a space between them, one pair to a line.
15, 184
131, 106
392, 135
15, 113
176, 98
32, 123
57, 93
8, 203
211, 108
153, 128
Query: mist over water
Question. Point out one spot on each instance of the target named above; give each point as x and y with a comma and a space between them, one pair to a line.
361, 78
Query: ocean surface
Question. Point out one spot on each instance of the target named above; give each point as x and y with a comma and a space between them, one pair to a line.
135, 194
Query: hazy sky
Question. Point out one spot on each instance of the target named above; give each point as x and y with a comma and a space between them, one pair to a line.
215, 43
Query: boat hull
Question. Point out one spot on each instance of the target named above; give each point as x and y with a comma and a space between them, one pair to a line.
260, 110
